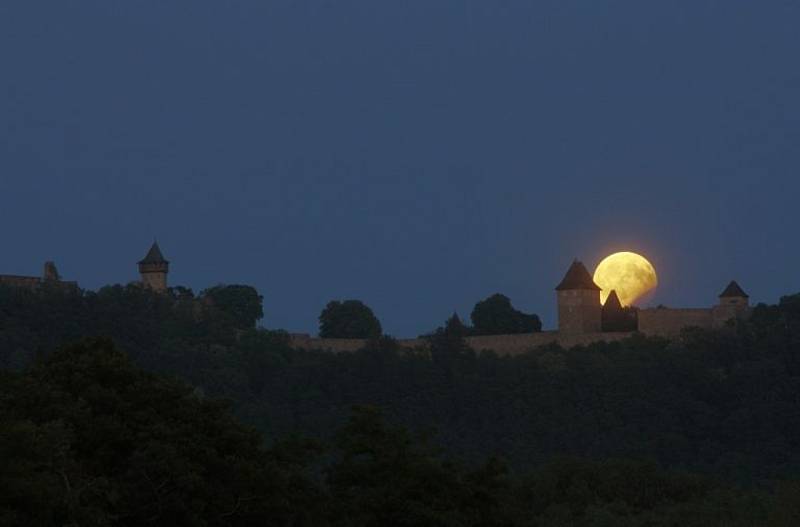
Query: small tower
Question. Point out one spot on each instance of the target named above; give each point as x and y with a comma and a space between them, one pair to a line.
733, 303
611, 312
734, 295
154, 268
50, 272
579, 309
616, 317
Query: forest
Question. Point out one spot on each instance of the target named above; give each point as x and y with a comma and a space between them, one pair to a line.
125, 407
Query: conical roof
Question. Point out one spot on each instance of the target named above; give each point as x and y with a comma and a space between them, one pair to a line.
733, 290
577, 277
154, 256
612, 302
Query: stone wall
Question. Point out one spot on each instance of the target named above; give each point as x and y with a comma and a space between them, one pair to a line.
721, 314
579, 311
669, 322
157, 281
501, 344
27, 282
307, 342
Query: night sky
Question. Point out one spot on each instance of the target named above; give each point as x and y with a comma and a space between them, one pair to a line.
416, 155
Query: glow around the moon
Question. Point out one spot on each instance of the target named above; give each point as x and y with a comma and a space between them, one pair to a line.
630, 274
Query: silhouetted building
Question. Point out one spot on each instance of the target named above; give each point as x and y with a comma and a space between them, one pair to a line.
49, 276
615, 317
578, 301
154, 268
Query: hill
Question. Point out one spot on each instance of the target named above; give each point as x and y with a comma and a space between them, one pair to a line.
720, 402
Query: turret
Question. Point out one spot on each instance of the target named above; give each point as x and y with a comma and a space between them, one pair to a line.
579, 309
50, 273
618, 318
733, 303
154, 268
734, 295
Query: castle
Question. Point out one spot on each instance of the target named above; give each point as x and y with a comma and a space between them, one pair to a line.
153, 270
580, 311
49, 277
582, 319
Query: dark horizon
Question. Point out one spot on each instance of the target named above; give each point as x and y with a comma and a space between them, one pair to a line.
416, 157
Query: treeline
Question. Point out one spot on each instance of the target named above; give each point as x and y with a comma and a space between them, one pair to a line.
352, 319
722, 403
86, 438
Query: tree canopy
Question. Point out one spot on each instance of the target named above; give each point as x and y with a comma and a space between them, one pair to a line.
496, 316
240, 302
721, 403
92, 440
89, 439
350, 319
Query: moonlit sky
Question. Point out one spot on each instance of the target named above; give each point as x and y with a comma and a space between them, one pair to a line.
417, 155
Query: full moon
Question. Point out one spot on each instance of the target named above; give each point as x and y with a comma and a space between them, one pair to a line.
629, 274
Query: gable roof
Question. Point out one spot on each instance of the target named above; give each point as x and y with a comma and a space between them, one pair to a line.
733, 290
612, 302
577, 277
154, 256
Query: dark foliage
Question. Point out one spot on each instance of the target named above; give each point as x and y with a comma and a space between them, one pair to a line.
351, 319
240, 302
496, 316
88, 439
722, 403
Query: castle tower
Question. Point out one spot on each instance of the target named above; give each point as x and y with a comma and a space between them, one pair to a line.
50, 273
611, 312
733, 303
734, 295
154, 268
579, 309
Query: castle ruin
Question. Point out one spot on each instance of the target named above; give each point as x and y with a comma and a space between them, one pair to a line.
153, 270
50, 276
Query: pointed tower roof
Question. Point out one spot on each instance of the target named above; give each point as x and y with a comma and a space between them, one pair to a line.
733, 291
577, 277
154, 256
612, 302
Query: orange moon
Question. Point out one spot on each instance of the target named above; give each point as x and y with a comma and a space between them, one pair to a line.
629, 274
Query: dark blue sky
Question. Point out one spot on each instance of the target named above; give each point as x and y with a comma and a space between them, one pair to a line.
417, 155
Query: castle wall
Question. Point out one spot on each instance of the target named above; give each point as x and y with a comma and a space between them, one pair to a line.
28, 282
306, 342
670, 322
524, 342
721, 314
501, 344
